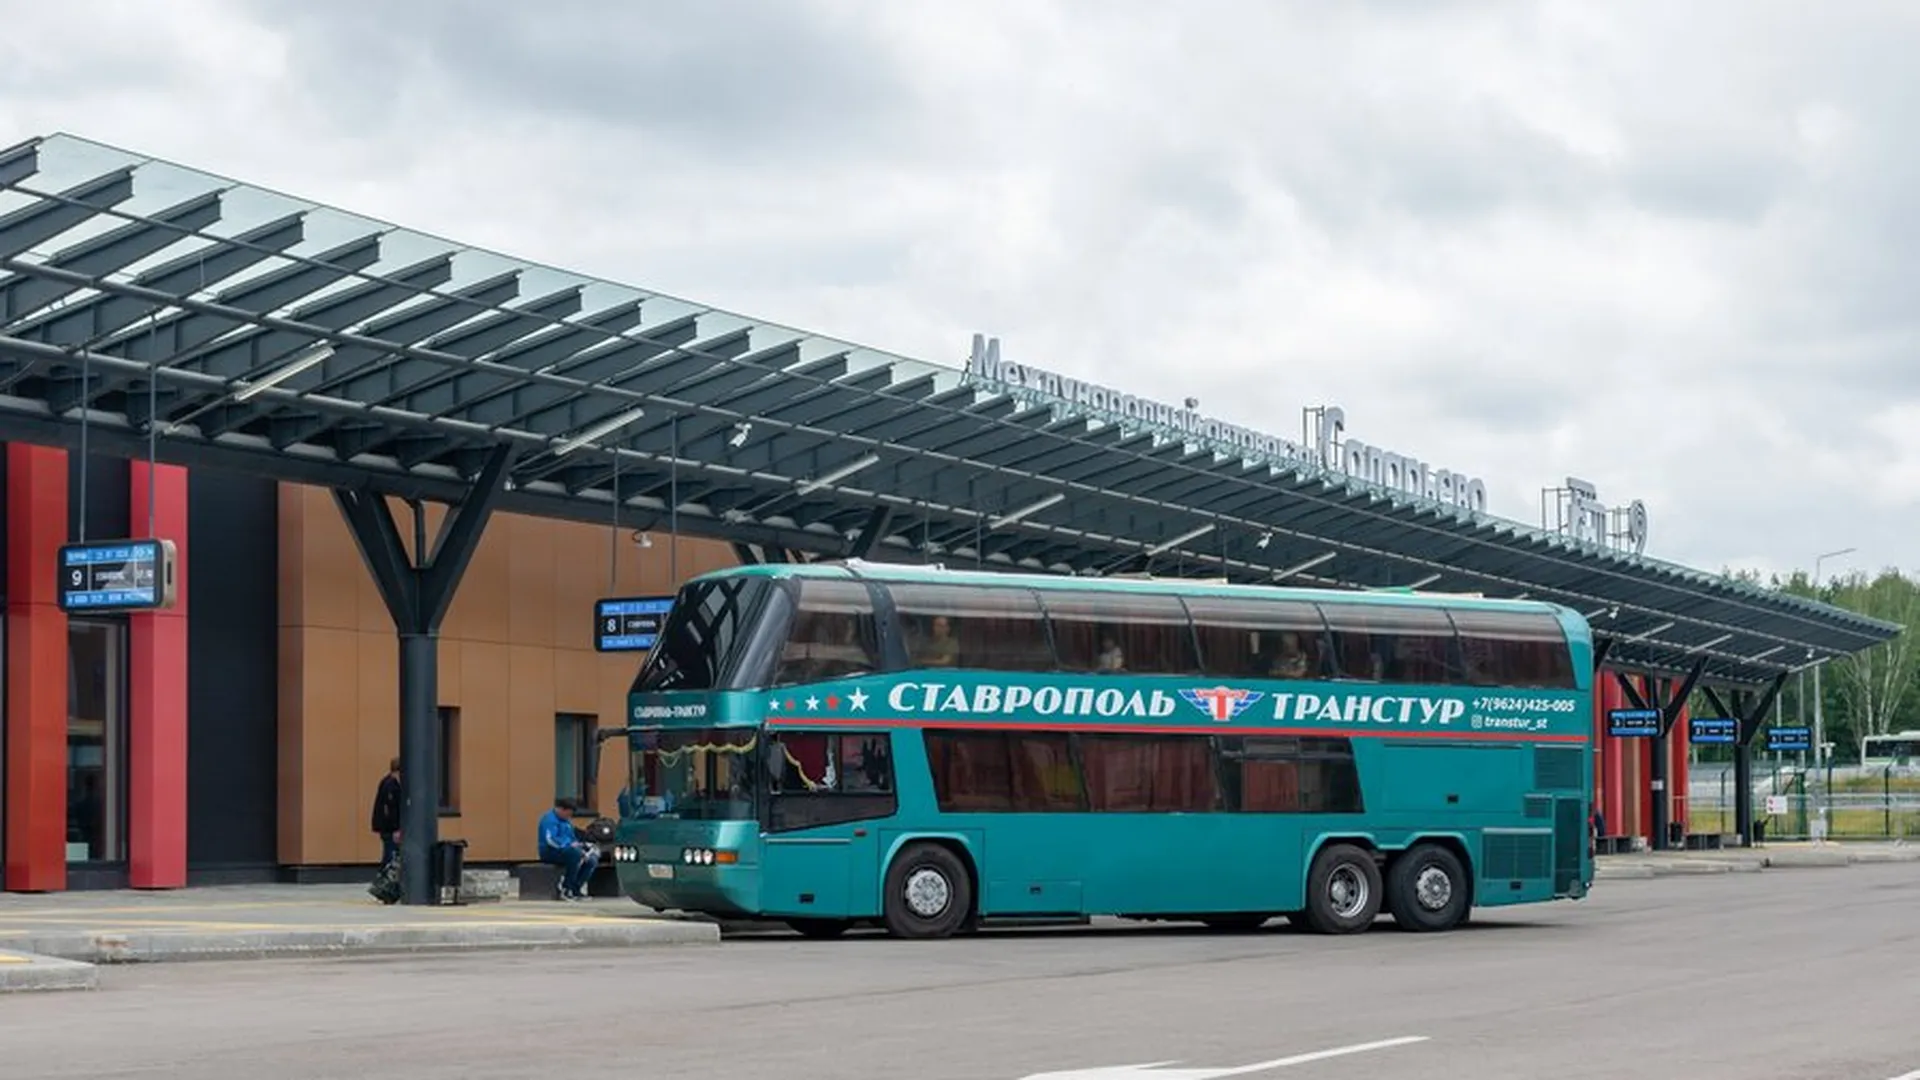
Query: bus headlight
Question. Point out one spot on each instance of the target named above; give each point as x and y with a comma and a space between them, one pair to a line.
708, 857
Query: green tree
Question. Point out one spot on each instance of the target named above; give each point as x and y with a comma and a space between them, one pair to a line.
1875, 686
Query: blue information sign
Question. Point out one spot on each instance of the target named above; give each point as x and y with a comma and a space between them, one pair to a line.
1789, 740
1633, 723
1714, 729
629, 624
117, 575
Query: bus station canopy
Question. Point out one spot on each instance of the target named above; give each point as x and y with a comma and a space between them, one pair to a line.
216, 324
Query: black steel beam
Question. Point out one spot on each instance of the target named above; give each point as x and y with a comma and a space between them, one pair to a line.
1630, 690
1670, 711
1662, 807
1601, 648
871, 533
417, 587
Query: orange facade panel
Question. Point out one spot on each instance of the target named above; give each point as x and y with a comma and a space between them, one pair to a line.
515, 652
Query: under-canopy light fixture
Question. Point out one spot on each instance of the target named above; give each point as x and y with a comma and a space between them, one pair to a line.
1425, 581
1644, 634
318, 354
1027, 510
1191, 534
1764, 655
600, 430
1715, 641
839, 474
1303, 567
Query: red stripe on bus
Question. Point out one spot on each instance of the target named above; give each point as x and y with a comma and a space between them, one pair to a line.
1167, 729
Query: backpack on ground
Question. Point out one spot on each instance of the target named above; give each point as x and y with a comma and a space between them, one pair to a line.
386, 885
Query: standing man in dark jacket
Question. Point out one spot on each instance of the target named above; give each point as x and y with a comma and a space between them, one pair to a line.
386, 813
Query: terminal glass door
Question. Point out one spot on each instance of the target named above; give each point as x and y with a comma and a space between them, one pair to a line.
96, 741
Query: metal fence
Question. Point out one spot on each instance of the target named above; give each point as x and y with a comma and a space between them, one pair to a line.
1794, 803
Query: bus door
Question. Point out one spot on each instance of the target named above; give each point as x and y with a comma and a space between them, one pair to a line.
829, 791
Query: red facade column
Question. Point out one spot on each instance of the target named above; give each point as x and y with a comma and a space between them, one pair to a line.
1679, 785
157, 678
1643, 786
36, 677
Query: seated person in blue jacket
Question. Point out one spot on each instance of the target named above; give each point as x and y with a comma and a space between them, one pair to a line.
561, 846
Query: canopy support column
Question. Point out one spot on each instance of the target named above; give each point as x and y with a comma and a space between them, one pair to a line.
418, 586
1749, 714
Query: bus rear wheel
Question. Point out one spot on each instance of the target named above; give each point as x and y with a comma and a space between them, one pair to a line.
1427, 889
929, 893
1343, 890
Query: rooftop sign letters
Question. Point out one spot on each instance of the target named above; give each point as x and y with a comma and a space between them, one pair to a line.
1322, 449
1579, 513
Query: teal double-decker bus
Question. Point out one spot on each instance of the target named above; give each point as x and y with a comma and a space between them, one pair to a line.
832, 744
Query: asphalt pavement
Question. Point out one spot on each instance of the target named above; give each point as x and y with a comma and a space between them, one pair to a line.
1697, 977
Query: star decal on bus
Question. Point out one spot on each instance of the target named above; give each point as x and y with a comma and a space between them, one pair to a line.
858, 700
1220, 702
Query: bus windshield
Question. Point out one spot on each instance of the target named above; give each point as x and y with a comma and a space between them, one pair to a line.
696, 775
707, 643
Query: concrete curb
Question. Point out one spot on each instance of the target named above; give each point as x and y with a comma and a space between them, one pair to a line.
1786, 859
25, 973
164, 946
1896, 855
1623, 872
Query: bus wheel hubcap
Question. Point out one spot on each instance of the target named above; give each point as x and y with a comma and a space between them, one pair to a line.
1348, 891
1433, 888
928, 893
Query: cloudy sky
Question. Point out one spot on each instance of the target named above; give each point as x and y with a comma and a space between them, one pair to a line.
1672, 253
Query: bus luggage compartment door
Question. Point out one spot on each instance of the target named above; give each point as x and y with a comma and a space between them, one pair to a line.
817, 876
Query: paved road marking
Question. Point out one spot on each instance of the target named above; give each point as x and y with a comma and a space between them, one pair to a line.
1914, 1075
14, 960
1157, 1071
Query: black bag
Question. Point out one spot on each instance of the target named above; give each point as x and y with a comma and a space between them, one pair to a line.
386, 885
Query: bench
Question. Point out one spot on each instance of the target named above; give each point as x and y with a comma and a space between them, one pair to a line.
541, 881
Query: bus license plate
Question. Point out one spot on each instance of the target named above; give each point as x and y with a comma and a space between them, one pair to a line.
660, 870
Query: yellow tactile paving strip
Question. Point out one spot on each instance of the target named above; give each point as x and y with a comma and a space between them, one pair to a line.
312, 915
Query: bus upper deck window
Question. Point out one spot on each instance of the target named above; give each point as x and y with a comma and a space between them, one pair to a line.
831, 635
991, 628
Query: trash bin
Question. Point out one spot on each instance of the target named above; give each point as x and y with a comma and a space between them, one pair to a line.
449, 863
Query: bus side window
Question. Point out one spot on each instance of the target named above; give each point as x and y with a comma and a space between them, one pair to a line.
1514, 648
1152, 773
997, 629
1395, 643
1282, 639
832, 634
1140, 634
1290, 775
830, 778
971, 770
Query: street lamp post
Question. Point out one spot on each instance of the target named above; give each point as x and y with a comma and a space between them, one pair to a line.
1819, 701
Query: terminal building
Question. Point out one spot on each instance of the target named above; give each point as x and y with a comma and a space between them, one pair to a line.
397, 475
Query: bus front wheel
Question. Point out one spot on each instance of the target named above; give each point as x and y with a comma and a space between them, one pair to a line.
1343, 890
929, 893
1427, 889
